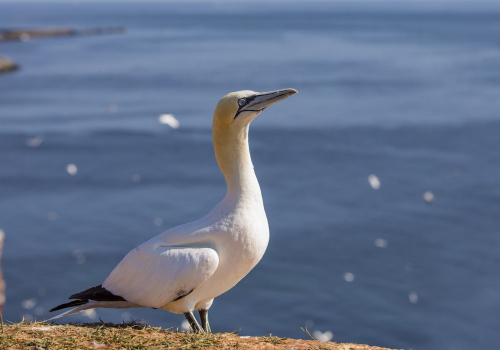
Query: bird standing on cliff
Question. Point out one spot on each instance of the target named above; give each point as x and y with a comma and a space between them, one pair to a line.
186, 267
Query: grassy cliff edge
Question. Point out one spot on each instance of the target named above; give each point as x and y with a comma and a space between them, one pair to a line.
39, 335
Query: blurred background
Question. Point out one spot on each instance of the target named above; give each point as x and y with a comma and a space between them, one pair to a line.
380, 178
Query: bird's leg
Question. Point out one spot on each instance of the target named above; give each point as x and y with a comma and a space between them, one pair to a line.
204, 321
192, 322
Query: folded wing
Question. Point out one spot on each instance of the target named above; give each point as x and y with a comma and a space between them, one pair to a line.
152, 275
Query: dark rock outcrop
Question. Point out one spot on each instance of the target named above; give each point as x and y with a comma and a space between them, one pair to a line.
7, 65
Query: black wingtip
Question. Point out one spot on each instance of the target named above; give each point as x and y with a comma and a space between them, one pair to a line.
70, 304
97, 293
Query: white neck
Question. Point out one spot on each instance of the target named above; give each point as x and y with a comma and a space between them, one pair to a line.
233, 156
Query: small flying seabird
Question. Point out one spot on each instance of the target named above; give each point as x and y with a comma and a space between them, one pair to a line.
183, 269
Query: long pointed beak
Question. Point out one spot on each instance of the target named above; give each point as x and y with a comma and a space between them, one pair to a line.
261, 101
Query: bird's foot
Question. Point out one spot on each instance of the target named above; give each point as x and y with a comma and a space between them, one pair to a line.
204, 321
193, 323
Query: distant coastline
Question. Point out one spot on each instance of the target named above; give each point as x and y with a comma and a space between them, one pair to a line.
24, 35
28, 34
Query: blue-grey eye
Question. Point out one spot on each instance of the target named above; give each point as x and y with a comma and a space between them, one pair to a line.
242, 102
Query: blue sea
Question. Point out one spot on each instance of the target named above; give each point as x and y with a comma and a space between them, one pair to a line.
381, 178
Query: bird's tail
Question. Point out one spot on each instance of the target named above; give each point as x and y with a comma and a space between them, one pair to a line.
82, 305
79, 307
91, 298
70, 304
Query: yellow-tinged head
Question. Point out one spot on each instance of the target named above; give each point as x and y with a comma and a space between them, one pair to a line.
232, 116
237, 109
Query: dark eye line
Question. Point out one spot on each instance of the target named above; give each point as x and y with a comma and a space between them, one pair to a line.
248, 100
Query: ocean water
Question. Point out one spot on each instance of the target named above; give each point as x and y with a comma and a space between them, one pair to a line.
408, 92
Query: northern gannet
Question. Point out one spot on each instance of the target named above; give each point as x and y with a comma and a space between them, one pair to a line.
183, 269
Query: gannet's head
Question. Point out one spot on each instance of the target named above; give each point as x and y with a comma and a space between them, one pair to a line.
237, 109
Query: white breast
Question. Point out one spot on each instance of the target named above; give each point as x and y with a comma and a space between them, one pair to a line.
240, 239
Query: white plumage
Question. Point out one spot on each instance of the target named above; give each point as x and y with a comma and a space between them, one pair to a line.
186, 267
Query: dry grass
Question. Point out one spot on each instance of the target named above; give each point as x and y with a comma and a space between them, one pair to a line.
39, 335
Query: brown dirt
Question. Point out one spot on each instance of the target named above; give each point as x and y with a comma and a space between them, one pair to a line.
38, 335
